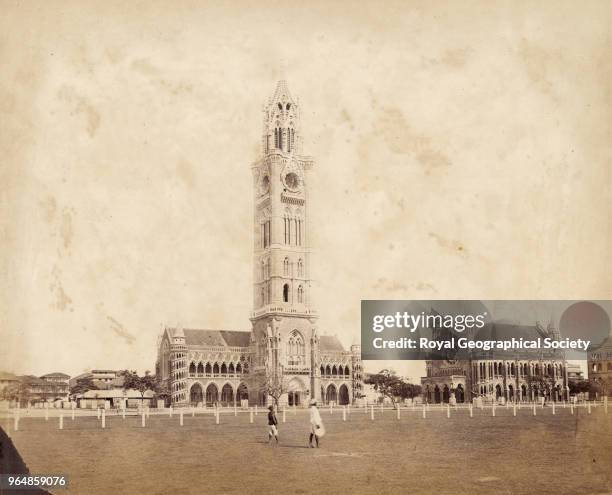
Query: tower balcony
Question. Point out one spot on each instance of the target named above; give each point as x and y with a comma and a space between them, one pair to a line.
284, 309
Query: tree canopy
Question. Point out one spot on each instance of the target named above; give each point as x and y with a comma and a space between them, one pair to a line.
388, 384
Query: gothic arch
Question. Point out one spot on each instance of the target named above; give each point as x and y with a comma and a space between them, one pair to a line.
296, 349
331, 393
212, 394
227, 395
343, 395
196, 393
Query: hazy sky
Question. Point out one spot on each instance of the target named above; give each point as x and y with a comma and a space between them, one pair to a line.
462, 151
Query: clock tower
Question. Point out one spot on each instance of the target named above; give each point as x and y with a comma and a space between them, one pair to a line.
284, 332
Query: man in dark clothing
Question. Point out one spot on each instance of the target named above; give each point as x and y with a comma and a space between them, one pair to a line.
272, 422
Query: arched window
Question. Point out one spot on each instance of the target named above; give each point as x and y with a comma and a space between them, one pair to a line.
223, 369
286, 267
328, 370
238, 368
322, 371
346, 371
200, 368
215, 369
296, 350
192, 369
300, 268
300, 292
230, 369
208, 369
287, 230
334, 370
286, 293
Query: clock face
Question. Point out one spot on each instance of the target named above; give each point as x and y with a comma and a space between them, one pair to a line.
292, 176
292, 181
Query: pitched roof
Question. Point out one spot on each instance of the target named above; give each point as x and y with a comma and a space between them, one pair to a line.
55, 375
219, 338
281, 92
329, 343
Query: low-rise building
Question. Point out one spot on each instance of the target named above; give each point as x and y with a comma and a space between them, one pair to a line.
115, 398
103, 379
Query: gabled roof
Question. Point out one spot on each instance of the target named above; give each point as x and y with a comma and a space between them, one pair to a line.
329, 343
218, 338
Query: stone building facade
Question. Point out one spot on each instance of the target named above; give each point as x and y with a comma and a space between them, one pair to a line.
527, 376
599, 365
284, 349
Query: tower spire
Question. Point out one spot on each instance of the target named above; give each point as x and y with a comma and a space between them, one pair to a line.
281, 129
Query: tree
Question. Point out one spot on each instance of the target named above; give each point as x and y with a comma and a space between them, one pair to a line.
388, 384
275, 386
132, 381
601, 386
162, 392
16, 392
409, 390
11, 392
83, 385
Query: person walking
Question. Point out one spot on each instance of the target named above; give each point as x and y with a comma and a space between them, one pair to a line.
272, 422
317, 430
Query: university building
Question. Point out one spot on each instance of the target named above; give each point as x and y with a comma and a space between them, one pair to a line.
526, 376
284, 349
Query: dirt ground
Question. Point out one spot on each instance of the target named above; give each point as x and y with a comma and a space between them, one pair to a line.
545, 454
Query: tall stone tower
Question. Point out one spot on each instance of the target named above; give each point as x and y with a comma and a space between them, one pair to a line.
284, 323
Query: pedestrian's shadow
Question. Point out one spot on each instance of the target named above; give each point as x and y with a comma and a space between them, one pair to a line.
281, 445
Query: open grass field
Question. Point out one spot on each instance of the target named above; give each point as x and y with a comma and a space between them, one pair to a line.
545, 454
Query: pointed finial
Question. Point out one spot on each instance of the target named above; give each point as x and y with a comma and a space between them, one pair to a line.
283, 69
